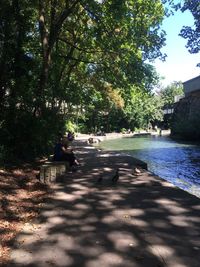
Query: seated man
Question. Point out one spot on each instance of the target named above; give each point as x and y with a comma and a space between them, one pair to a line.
63, 153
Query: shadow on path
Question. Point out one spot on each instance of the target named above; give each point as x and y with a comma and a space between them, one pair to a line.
140, 221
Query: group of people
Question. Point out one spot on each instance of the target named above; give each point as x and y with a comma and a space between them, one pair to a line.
63, 150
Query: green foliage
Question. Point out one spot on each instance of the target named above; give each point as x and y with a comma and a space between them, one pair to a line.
192, 33
70, 126
79, 62
142, 108
26, 136
82, 128
123, 130
168, 93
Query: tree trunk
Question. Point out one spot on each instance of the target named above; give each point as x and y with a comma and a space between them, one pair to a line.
49, 38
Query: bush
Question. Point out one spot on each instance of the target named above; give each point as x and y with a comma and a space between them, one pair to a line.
70, 126
26, 136
123, 130
82, 128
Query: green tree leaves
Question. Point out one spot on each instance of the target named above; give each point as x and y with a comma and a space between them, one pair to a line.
168, 93
62, 58
192, 33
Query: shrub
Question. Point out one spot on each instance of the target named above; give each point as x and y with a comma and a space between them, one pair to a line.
123, 130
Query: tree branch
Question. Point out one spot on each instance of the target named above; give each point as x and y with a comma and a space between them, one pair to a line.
86, 50
57, 24
42, 27
64, 14
80, 60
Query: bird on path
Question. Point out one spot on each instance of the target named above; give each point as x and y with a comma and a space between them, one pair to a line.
116, 176
136, 171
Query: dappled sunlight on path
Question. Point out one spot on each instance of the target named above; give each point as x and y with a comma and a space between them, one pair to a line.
139, 221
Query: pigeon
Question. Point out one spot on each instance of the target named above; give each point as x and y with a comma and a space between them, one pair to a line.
136, 171
116, 176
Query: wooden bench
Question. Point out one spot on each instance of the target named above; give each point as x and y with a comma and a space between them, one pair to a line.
51, 171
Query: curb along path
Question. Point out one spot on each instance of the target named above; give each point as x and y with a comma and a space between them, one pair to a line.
141, 220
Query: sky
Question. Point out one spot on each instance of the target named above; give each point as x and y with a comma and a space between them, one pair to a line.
180, 65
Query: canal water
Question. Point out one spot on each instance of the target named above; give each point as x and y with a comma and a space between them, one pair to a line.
176, 162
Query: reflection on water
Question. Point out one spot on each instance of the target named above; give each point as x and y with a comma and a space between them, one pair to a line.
176, 162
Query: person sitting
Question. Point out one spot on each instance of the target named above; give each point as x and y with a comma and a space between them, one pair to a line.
58, 149
62, 152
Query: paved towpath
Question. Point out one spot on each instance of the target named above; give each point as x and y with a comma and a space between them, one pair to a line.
142, 221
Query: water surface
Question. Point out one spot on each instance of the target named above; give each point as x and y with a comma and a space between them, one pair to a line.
176, 162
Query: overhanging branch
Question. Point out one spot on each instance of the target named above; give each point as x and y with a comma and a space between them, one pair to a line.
81, 60
86, 50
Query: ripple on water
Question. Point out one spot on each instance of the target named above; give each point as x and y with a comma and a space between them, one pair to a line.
178, 163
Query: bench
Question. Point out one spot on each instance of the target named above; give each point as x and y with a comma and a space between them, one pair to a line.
51, 171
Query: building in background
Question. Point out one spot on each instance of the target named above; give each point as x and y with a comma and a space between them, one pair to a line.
186, 116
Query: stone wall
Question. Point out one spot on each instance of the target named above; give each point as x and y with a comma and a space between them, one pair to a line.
191, 86
186, 117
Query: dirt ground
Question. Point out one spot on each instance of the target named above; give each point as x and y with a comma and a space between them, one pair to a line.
21, 198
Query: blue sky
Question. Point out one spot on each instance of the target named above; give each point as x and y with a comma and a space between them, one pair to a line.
180, 65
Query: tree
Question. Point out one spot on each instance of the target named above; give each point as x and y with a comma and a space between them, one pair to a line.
142, 108
98, 33
167, 96
168, 93
78, 54
192, 33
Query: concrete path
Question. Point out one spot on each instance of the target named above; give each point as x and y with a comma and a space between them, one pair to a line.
142, 221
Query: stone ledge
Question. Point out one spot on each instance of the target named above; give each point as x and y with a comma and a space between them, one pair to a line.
51, 171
